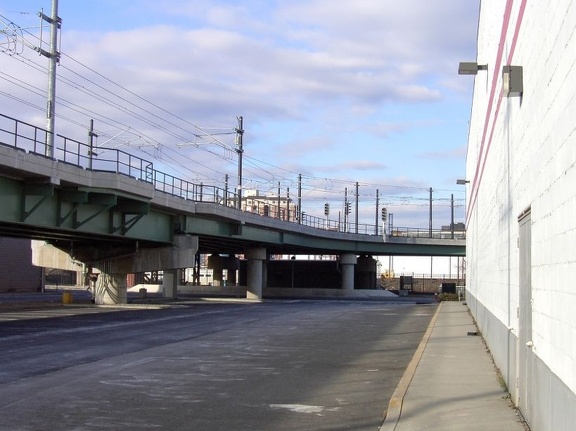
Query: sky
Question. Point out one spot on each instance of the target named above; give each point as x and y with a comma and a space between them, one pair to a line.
337, 92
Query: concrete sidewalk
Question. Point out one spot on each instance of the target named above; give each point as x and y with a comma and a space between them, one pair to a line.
451, 383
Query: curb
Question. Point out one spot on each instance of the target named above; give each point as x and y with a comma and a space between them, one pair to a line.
392, 414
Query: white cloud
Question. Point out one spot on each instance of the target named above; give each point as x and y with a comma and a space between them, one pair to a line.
316, 80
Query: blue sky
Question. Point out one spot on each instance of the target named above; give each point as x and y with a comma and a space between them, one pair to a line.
338, 91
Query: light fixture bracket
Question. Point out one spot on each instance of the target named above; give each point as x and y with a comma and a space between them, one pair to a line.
470, 68
512, 81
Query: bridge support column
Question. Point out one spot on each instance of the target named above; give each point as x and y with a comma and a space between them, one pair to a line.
110, 289
347, 263
170, 283
219, 263
255, 272
365, 274
217, 276
231, 277
232, 264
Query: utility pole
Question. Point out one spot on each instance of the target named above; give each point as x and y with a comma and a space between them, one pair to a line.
430, 217
356, 209
240, 151
53, 57
91, 136
452, 215
279, 201
226, 190
346, 206
299, 198
376, 223
287, 218
14, 33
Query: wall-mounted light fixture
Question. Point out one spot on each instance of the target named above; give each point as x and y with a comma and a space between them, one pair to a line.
469, 68
512, 81
462, 182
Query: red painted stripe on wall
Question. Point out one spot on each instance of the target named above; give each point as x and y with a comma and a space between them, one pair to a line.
478, 178
484, 151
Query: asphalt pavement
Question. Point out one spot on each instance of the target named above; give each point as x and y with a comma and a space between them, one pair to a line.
450, 384
272, 365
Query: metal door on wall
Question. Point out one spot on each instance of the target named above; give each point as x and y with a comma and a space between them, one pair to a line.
525, 312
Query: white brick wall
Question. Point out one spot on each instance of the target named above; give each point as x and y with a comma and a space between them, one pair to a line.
531, 162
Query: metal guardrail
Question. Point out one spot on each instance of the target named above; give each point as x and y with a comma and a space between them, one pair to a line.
32, 139
426, 233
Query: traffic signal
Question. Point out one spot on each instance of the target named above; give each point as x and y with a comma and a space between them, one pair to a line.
384, 214
326, 209
348, 209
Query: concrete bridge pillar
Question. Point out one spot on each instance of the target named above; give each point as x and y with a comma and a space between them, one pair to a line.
110, 286
255, 272
347, 262
232, 266
215, 263
218, 264
366, 273
110, 289
217, 276
231, 278
170, 279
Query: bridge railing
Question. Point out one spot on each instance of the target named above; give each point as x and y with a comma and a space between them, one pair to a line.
426, 233
32, 139
192, 191
21, 135
103, 159
341, 225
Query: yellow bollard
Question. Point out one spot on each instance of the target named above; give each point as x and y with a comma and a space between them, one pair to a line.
67, 297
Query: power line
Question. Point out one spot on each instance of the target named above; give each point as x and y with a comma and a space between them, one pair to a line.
161, 120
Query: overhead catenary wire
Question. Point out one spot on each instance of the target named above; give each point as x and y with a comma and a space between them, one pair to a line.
74, 107
85, 80
110, 102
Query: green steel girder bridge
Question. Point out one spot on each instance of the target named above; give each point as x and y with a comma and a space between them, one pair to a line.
118, 199
97, 208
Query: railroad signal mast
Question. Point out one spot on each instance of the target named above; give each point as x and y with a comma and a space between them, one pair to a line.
384, 219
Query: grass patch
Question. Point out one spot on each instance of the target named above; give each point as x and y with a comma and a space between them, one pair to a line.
448, 297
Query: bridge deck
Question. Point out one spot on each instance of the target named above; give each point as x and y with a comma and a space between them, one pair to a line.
122, 198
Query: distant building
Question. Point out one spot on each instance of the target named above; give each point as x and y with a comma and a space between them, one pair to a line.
269, 205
